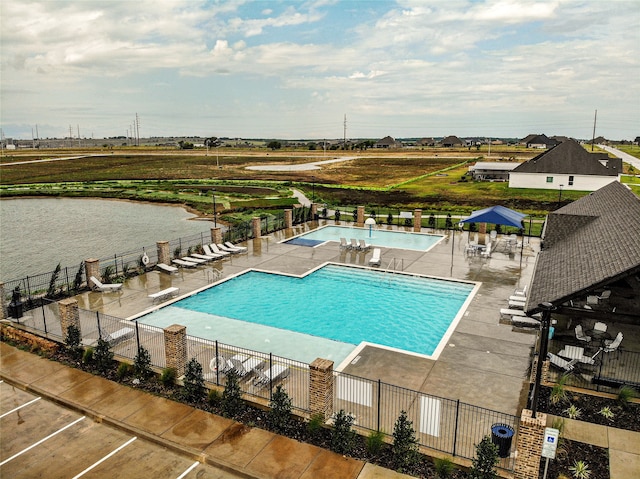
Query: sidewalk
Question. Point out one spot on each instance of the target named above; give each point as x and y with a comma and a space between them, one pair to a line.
252, 452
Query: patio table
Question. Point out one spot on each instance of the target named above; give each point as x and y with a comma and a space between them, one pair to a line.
598, 335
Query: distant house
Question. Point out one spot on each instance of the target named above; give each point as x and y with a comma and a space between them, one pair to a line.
567, 165
426, 142
387, 142
538, 141
492, 170
451, 141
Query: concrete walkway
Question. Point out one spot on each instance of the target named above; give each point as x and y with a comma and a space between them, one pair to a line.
210, 439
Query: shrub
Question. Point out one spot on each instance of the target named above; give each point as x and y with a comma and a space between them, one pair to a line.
103, 356
580, 470
558, 393
107, 274
168, 376
72, 340
573, 412
342, 436
87, 356
375, 441
625, 395
51, 291
142, 363
213, 398
232, 396
444, 467
280, 412
405, 444
193, 383
123, 370
316, 421
483, 465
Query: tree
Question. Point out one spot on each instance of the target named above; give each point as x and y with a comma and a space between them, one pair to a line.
280, 412
342, 436
274, 145
103, 356
232, 396
405, 444
483, 465
142, 363
193, 382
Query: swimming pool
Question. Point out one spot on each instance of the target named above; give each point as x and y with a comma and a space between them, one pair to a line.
375, 237
326, 313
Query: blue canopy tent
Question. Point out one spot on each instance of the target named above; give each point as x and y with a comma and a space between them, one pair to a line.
498, 215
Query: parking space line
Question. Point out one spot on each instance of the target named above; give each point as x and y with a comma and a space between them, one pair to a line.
19, 407
105, 458
191, 468
41, 441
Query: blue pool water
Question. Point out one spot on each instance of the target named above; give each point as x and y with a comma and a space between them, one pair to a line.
324, 314
375, 237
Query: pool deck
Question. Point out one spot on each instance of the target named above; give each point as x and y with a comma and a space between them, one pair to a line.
484, 363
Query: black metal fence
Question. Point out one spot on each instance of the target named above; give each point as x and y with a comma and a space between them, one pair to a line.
445, 425
609, 372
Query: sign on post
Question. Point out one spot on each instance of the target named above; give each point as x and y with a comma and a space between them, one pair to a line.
550, 443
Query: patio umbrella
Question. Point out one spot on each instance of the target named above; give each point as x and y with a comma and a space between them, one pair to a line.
498, 215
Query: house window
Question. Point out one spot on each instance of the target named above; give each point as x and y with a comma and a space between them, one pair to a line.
570, 180
549, 179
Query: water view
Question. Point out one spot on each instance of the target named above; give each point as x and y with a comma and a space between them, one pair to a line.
38, 233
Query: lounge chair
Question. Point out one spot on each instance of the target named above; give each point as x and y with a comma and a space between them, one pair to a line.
563, 364
241, 249
209, 252
508, 313
167, 268
222, 247
184, 264
375, 259
580, 336
363, 246
612, 345
344, 244
164, 294
517, 304
243, 364
105, 288
204, 257
353, 243
274, 373
214, 248
521, 292
118, 336
193, 260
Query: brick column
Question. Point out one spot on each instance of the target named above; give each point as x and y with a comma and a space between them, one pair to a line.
175, 347
321, 387
360, 220
69, 315
164, 255
288, 219
3, 303
314, 210
417, 220
216, 235
255, 227
91, 268
529, 445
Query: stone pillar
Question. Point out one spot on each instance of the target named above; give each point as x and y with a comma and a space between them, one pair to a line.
216, 235
175, 348
91, 268
529, 445
255, 227
69, 315
288, 219
3, 303
417, 220
360, 220
321, 387
164, 255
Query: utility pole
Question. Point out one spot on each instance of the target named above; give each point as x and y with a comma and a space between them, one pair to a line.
70, 137
79, 144
137, 130
344, 142
593, 138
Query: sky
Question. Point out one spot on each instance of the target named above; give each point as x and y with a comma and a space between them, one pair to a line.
298, 69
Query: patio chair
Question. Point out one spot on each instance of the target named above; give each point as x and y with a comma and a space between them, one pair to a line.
222, 247
354, 243
184, 264
563, 364
344, 244
517, 304
613, 344
104, 288
217, 250
209, 252
204, 257
193, 259
363, 246
240, 249
166, 268
580, 335
274, 373
521, 292
375, 259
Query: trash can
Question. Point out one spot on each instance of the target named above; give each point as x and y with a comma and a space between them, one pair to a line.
501, 436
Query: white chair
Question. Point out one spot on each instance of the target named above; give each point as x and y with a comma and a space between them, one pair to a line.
363, 246
166, 268
192, 259
240, 249
222, 247
209, 252
217, 250
612, 345
521, 292
344, 244
105, 288
354, 243
164, 294
184, 264
375, 259
580, 336
508, 313
274, 373
517, 304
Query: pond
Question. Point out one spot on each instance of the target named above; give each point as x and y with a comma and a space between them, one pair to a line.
38, 233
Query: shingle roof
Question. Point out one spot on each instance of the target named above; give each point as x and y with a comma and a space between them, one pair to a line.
587, 244
569, 157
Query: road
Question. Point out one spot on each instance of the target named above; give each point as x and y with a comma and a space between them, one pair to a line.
627, 158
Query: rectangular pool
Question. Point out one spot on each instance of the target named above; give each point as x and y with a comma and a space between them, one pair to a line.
326, 313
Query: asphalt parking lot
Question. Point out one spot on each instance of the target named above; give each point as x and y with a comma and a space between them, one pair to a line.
43, 439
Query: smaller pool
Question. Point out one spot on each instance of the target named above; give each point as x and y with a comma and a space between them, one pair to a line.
374, 237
